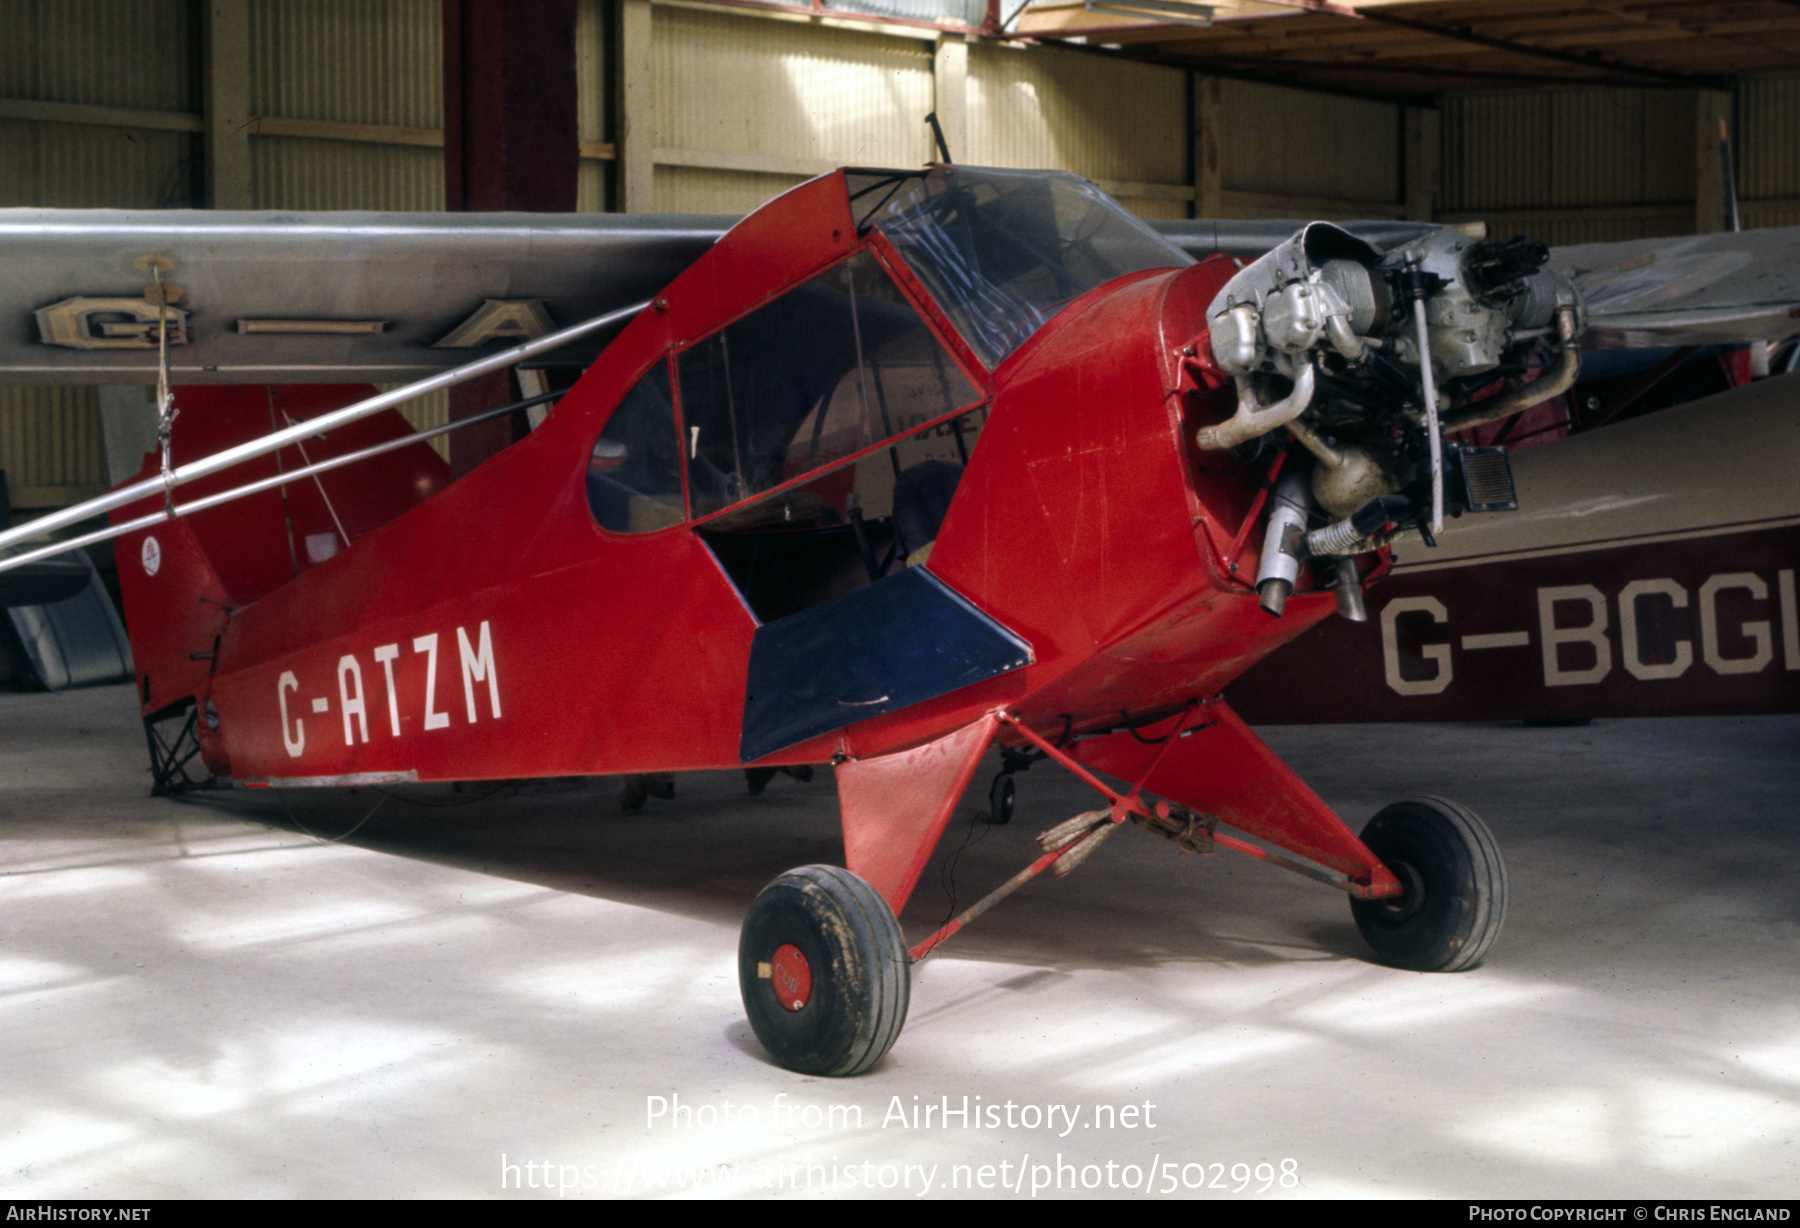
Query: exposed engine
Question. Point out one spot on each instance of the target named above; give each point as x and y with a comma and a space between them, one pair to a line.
1324, 336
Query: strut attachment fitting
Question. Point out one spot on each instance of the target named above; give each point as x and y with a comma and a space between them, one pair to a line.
1190, 830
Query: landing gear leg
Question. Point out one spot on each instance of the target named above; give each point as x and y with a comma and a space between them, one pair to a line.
824, 971
1453, 901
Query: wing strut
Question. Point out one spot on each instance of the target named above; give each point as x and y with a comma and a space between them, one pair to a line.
280, 478
208, 465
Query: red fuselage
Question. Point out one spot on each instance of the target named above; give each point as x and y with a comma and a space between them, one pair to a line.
496, 630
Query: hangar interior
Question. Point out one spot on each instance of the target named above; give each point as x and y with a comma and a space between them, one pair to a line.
715, 108
332, 994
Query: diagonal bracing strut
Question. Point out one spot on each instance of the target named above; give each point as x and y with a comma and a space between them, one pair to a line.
1069, 843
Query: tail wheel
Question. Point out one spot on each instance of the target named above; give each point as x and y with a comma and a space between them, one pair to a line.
174, 738
1454, 901
824, 972
1002, 797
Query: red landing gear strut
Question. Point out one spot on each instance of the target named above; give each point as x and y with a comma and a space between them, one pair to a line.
1426, 883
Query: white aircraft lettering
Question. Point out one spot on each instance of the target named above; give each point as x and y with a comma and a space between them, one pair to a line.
1790, 620
385, 656
1437, 653
1577, 648
427, 644
1591, 632
112, 322
476, 657
296, 741
1635, 664
478, 667
520, 319
94, 324
350, 698
1758, 632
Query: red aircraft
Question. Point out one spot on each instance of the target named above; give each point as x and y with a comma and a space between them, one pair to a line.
906, 465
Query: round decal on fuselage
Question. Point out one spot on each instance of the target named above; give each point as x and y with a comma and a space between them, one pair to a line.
152, 555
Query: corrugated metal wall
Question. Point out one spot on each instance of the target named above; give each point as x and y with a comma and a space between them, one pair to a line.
593, 87
304, 173
747, 108
1769, 140
365, 61
1572, 166
1279, 142
56, 166
138, 55
1109, 120
353, 61
104, 54
50, 445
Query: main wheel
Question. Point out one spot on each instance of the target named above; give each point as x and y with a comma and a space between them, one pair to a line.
824, 971
1454, 901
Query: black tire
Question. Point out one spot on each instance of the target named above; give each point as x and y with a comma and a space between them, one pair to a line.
1002, 796
860, 971
1455, 898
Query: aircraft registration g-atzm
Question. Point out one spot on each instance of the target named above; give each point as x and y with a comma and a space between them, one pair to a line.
903, 465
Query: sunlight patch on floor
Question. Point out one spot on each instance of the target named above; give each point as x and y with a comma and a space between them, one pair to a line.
617, 981
1678, 1126
254, 928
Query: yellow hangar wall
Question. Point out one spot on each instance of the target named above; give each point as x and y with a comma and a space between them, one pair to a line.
96, 108
685, 107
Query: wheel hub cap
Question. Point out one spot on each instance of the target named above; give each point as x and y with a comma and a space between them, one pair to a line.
791, 976
1412, 895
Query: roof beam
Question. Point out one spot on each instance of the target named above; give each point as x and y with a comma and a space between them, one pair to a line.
1592, 63
1234, 65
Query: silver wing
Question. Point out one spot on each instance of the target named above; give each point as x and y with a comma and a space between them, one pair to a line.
312, 297
1694, 290
1717, 289
327, 297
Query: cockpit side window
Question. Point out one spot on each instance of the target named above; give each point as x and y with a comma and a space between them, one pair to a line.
828, 370
634, 471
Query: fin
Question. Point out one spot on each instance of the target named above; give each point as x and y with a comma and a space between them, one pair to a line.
258, 543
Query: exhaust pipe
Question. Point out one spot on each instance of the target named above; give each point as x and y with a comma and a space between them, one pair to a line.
1349, 590
1284, 542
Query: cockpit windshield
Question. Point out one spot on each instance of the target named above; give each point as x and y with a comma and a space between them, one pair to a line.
1004, 251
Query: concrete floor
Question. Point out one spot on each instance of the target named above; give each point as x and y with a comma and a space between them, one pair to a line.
198, 998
